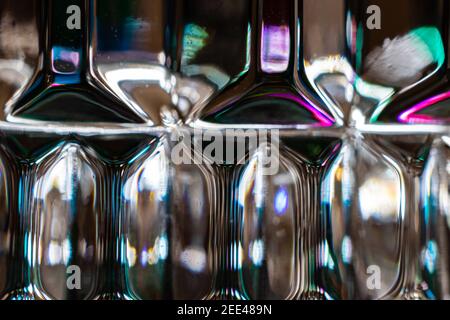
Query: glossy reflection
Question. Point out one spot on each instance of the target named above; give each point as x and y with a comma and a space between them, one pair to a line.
167, 222
410, 153
269, 207
146, 192
62, 87
118, 152
192, 211
379, 73
362, 230
19, 154
435, 191
357, 208
203, 35
268, 238
368, 235
269, 89
133, 54
66, 212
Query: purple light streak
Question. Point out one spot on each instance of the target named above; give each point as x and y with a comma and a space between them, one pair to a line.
409, 115
324, 119
275, 46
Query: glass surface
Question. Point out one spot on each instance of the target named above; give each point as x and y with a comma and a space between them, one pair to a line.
333, 182
390, 69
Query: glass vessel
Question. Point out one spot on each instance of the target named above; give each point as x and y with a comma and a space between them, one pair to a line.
267, 230
224, 149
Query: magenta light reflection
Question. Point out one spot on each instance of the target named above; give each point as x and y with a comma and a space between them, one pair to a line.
410, 116
324, 119
67, 56
275, 46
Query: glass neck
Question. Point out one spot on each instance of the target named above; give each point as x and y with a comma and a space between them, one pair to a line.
274, 40
66, 40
